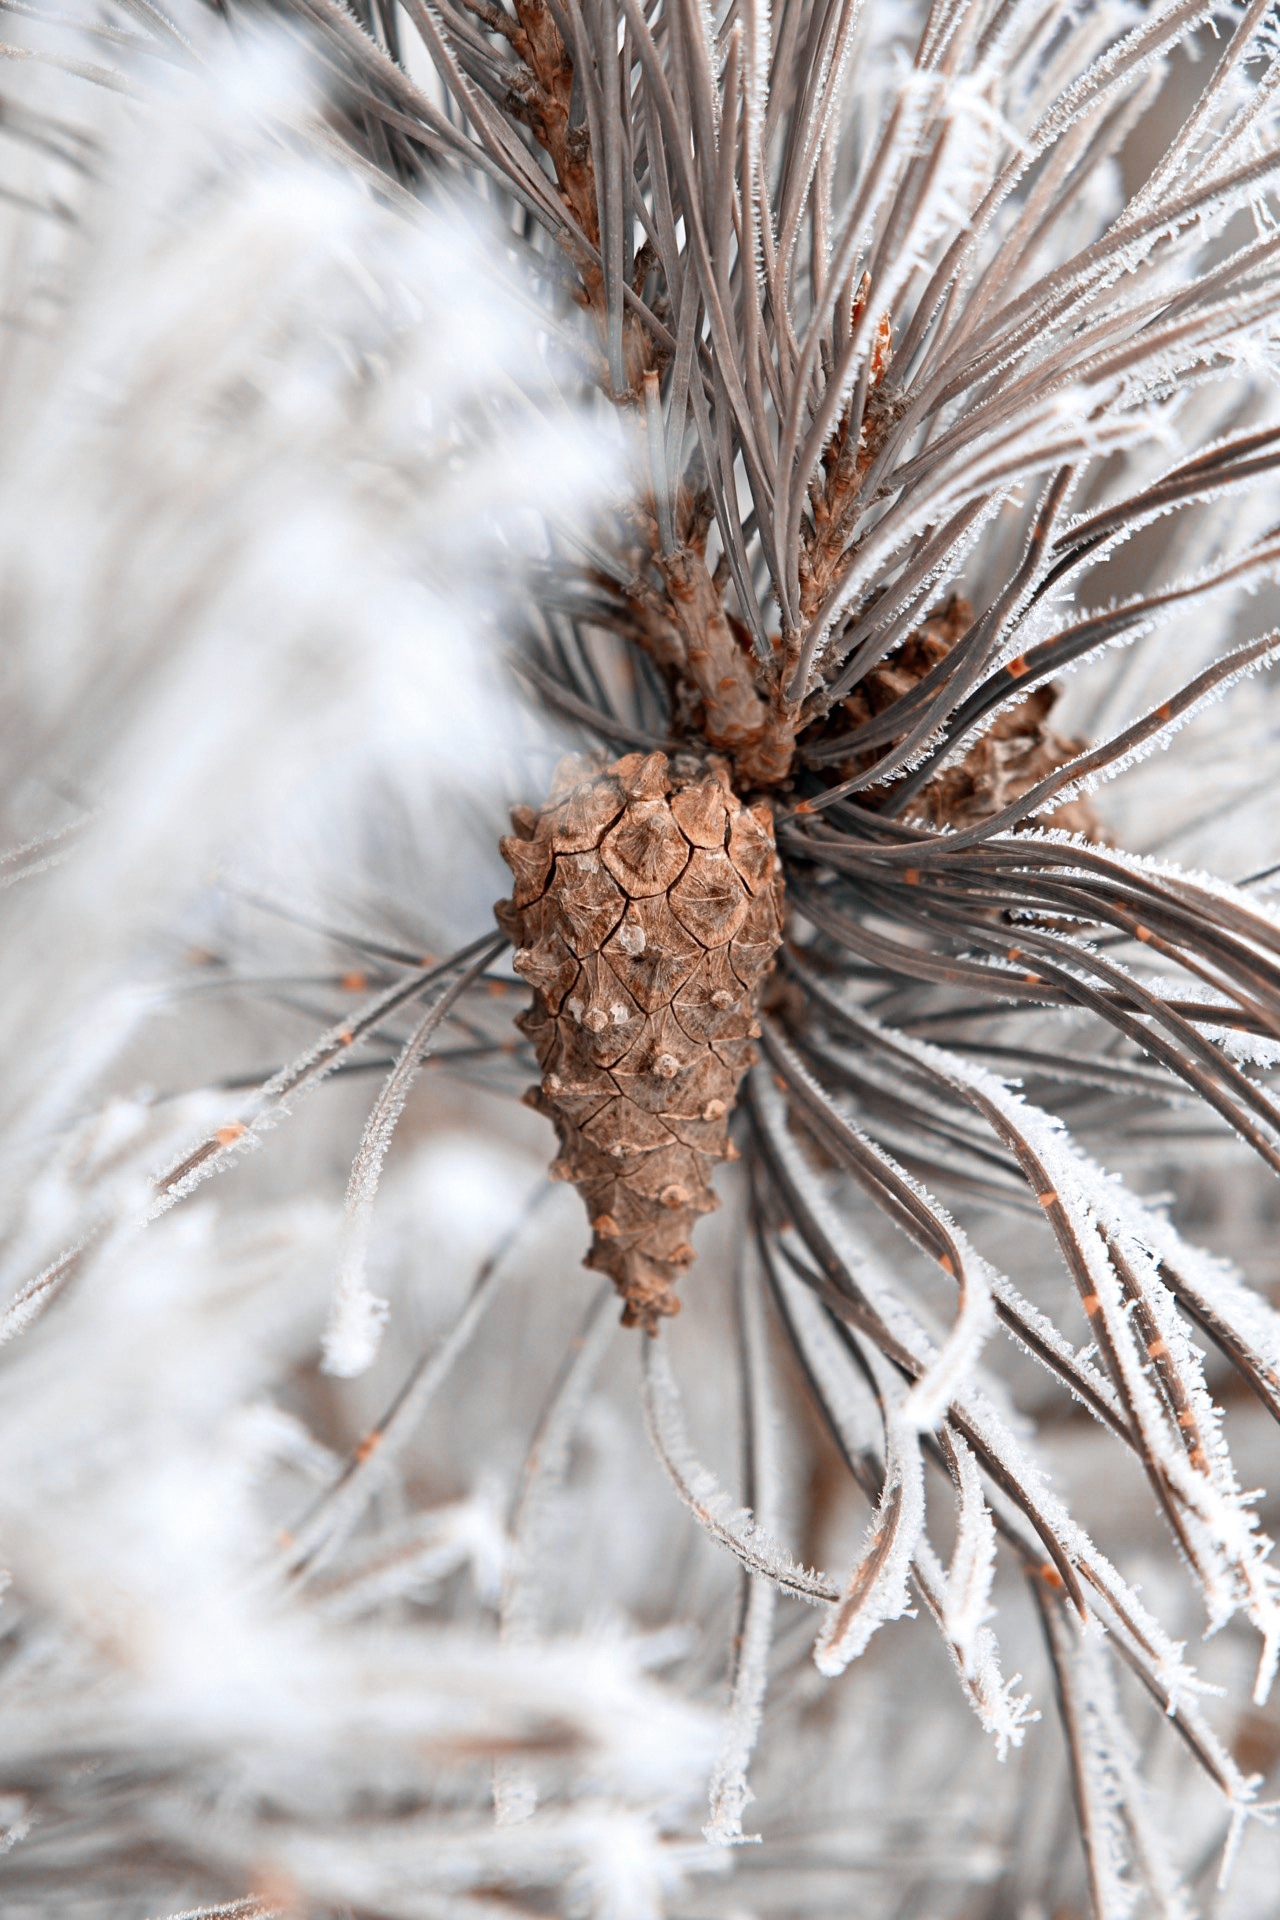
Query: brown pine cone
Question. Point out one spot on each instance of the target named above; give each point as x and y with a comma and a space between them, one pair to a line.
646, 914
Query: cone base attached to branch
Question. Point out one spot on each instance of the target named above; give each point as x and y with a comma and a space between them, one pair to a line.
647, 912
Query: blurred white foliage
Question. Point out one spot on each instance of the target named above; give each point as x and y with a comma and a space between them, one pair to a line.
263, 476
270, 446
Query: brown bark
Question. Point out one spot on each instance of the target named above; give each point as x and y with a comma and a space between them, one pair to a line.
755, 732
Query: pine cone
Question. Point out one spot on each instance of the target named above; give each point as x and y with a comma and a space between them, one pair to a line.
647, 912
